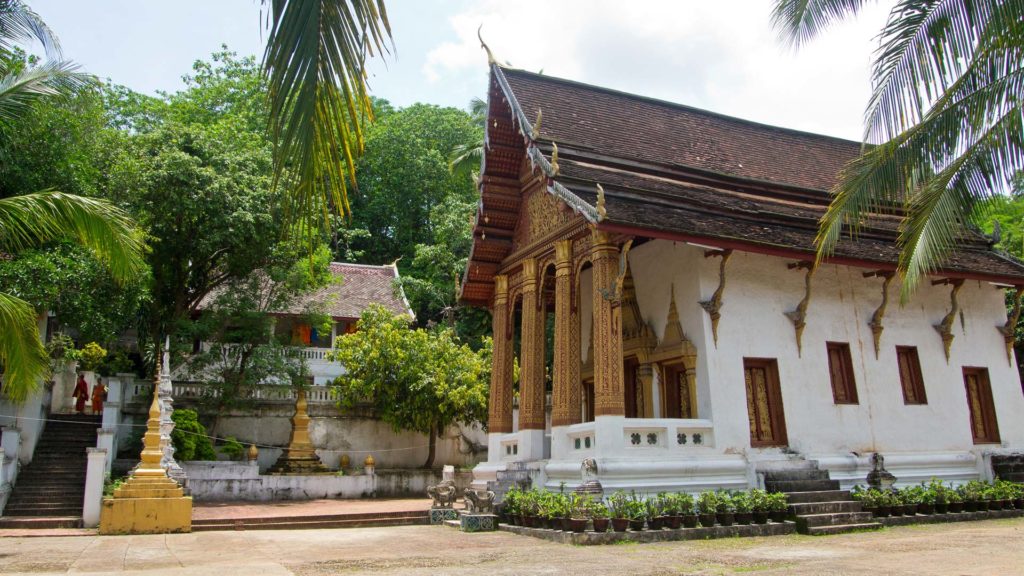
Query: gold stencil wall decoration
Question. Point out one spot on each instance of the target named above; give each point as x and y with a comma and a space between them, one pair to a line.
713, 306
945, 328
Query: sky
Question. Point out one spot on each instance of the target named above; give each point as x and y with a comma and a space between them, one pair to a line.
721, 56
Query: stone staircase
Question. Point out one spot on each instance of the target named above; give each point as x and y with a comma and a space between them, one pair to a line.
1008, 467
49, 491
817, 503
362, 520
515, 474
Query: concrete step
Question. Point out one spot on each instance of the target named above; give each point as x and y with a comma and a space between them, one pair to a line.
784, 475
818, 496
42, 523
801, 485
835, 507
36, 512
814, 520
842, 528
43, 499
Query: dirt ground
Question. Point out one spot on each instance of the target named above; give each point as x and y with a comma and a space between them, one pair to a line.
994, 547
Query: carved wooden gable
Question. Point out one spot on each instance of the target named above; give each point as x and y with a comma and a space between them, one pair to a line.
540, 214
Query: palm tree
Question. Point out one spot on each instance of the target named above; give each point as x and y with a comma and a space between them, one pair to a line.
944, 121
466, 158
316, 76
35, 219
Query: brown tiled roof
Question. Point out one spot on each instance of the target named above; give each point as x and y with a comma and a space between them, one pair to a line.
627, 126
676, 172
356, 287
353, 289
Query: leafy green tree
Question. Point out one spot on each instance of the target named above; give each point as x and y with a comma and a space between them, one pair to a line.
35, 219
70, 282
944, 113
414, 379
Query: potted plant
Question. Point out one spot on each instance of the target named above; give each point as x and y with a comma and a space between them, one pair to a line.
778, 506
956, 502
655, 512
636, 511
744, 507
618, 509
599, 516
671, 507
579, 512
759, 506
970, 493
925, 499
531, 506
725, 512
707, 505
939, 495
511, 506
686, 510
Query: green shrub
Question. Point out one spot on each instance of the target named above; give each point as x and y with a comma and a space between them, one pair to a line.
92, 356
232, 448
189, 437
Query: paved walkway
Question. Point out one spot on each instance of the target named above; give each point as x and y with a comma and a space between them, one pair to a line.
982, 548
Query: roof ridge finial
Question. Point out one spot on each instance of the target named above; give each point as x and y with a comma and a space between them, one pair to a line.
536, 125
602, 212
490, 56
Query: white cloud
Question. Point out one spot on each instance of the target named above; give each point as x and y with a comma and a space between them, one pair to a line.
721, 56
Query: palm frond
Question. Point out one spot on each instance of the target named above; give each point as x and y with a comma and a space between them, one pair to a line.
21, 352
33, 219
315, 67
21, 90
798, 21
466, 158
925, 48
19, 24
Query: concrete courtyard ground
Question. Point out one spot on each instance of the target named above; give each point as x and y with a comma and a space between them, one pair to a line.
989, 548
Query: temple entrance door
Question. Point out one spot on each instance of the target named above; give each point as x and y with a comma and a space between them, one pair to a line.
764, 403
632, 388
984, 427
588, 401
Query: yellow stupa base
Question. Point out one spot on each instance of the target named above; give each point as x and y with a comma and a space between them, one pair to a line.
150, 502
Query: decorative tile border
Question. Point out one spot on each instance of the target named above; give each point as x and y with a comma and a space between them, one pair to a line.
439, 515
478, 522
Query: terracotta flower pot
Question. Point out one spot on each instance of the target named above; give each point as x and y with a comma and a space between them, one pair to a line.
926, 509
778, 516
726, 518
656, 523
706, 520
760, 517
636, 525
601, 525
674, 522
744, 518
941, 508
970, 506
620, 524
565, 524
690, 520
883, 511
577, 525
956, 507
897, 510
1019, 503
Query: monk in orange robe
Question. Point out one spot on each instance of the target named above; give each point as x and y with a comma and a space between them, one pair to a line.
81, 394
98, 391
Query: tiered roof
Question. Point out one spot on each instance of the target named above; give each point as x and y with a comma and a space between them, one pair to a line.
677, 172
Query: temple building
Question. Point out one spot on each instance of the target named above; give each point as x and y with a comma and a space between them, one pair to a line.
650, 269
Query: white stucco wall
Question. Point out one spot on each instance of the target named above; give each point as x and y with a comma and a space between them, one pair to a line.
760, 289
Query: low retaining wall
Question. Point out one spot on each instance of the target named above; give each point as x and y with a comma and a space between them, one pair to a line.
225, 481
664, 535
950, 517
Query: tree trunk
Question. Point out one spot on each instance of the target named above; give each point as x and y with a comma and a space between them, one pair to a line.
430, 451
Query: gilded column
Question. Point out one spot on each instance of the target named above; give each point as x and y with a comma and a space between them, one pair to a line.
566, 385
608, 391
500, 409
531, 360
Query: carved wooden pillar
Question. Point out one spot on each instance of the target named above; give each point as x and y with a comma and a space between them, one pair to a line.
531, 361
500, 410
566, 385
608, 391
